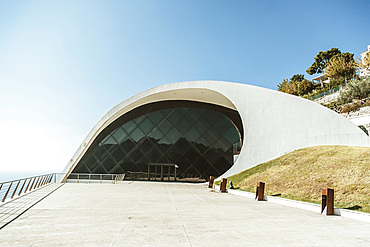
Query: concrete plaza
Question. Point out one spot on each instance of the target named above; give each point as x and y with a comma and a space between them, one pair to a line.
172, 214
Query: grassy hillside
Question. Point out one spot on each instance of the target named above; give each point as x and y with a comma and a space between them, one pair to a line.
302, 174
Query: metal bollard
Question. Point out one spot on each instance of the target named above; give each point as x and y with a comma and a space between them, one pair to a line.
260, 191
223, 185
210, 183
327, 201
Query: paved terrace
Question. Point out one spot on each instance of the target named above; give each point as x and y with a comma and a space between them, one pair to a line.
172, 214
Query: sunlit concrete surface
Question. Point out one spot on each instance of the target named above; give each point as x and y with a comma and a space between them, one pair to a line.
172, 214
10, 210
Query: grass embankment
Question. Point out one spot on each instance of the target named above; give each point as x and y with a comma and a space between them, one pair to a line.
302, 174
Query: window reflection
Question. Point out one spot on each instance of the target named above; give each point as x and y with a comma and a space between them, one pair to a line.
202, 142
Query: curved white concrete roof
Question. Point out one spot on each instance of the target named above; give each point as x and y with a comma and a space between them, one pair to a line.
274, 123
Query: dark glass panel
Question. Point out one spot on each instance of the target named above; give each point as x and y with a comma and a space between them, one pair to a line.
110, 147
231, 135
129, 127
193, 116
174, 117
146, 126
138, 120
182, 145
100, 170
166, 112
202, 126
164, 144
118, 153
202, 165
128, 144
136, 135
164, 126
100, 152
173, 135
136, 154
81, 168
223, 143
203, 141
183, 126
154, 154
192, 135
192, 155
156, 117
119, 135
199, 141
146, 145
91, 162
117, 170
108, 163
109, 141
156, 134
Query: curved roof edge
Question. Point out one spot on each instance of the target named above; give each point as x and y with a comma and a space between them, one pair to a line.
274, 123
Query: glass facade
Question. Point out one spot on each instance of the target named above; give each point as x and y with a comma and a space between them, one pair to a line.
200, 141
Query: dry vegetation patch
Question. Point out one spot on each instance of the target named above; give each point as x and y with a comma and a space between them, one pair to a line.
302, 174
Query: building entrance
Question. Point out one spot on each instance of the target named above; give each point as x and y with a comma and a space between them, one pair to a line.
162, 171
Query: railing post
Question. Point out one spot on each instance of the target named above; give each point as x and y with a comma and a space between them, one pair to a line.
100, 178
327, 201
34, 179
223, 185
6, 194
50, 178
89, 178
37, 182
22, 187
42, 181
45, 180
16, 187
260, 191
25, 191
78, 178
210, 183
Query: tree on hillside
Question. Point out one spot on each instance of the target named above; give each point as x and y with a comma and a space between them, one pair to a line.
341, 66
297, 77
297, 85
357, 89
321, 60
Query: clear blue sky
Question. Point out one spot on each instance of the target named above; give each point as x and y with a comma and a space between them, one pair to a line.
64, 64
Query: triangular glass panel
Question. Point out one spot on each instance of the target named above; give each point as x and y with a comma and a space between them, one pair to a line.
119, 135
136, 135
173, 135
129, 127
156, 117
146, 126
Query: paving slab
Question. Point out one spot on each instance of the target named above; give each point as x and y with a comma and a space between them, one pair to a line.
12, 209
172, 214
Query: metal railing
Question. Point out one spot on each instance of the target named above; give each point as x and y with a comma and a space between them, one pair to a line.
14, 188
119, 178
328, 92
93, 178
137, 175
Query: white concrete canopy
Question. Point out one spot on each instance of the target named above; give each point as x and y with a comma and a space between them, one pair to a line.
274, 123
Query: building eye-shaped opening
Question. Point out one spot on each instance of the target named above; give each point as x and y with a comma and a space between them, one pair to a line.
201, 139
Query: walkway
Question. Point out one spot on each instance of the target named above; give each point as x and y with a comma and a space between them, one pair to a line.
13, 209
172, 214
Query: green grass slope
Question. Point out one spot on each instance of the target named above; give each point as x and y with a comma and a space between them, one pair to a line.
302, 174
